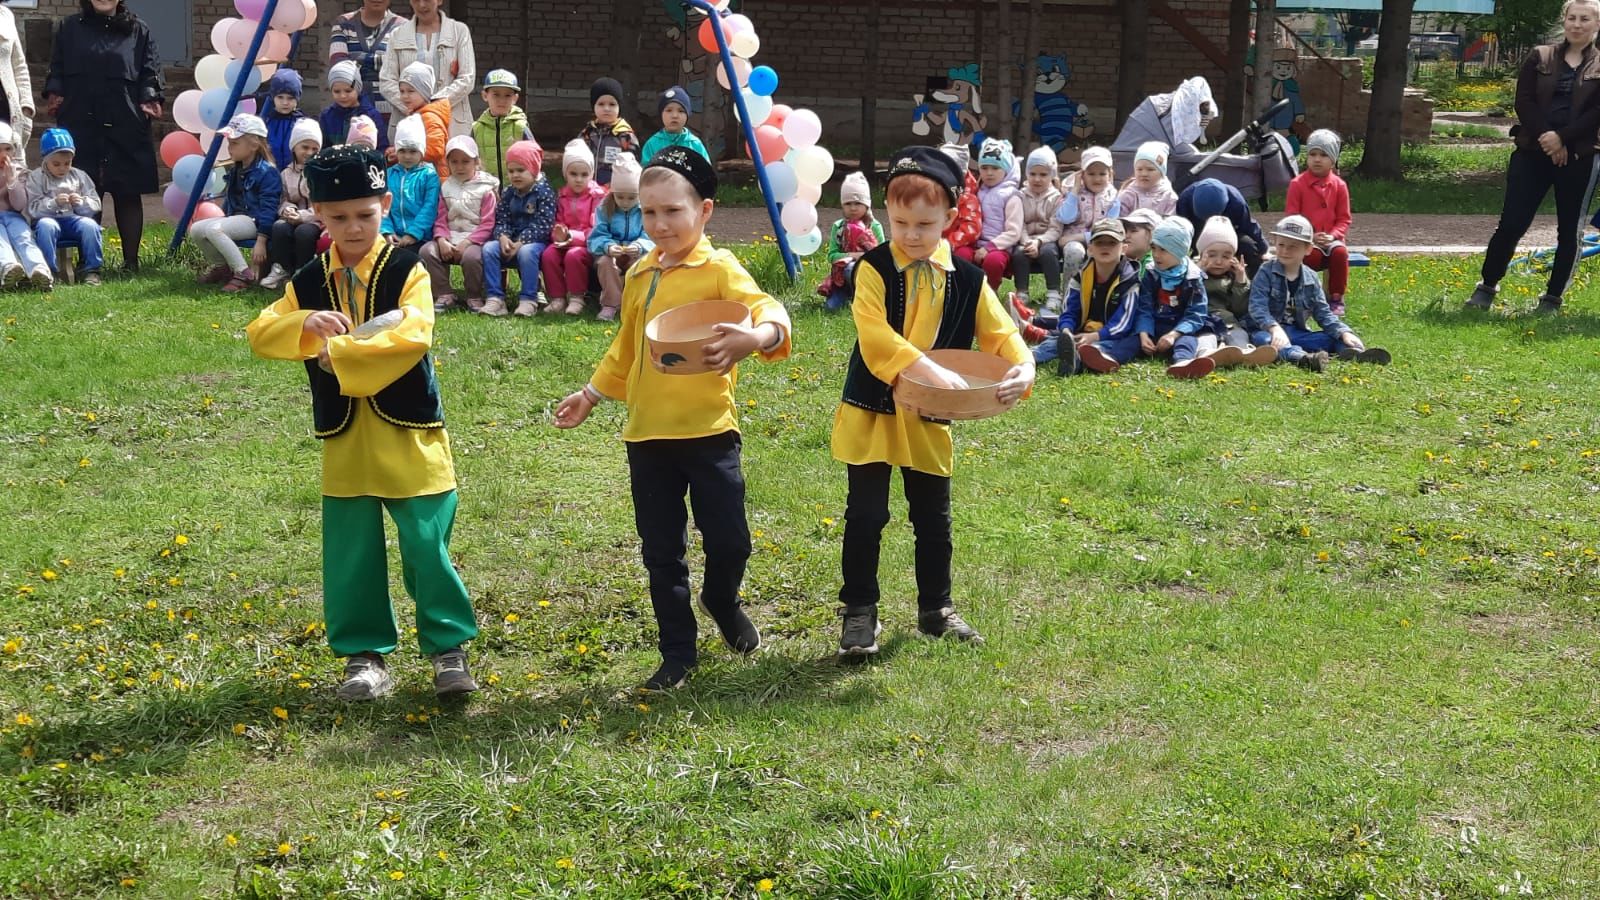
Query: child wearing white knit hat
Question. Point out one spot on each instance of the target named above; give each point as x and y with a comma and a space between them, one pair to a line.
566, 263
1228, 296
618, 240
1038, 250
849, 238
294, 236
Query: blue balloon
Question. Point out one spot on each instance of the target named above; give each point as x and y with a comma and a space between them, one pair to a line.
214, 108
763, 81
782, 181
806, 244
187, 172
252, 80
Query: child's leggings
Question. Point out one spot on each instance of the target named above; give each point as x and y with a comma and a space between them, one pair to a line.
355, 574
292, 246
866, 513
18, 247
1336, 262
472, 269
611, 271
81, 230
996, 263
1048, 264
566, 270
527, 267
216, 237
1300, 343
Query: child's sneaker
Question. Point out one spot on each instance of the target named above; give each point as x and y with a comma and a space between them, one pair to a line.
450, 675
441, 304
366, 677
41, 279
527, 309
942, 623
553, 307
1033, 334
1196, 367
1337, 305
670, 676
738, 632
91, 279
1020, 311
859, 636
475, 304
575, 305
1374, 355
1227, 356
1096, 360
240, 281
1316, 362
1052, 301
494, 306
213, 275
607, 314
1264, 355
1482, 296
1067, 360
279, 275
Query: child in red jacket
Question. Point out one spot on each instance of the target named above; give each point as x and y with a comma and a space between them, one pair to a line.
1321, 195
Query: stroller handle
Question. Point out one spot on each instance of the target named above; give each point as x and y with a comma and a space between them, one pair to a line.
1255, 127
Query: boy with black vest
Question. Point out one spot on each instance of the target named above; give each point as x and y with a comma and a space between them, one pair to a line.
911, 295
682, 432
360, 316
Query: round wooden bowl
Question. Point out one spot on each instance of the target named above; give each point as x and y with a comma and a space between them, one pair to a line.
982, 372
677, 336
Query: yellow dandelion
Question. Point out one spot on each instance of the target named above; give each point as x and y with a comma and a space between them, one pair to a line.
151, 604
166, 552
564, 862
1322, 556
59, 767
119, 572
443, 856
512, 618
582, 649
285, 848
11, 647
231, 840
24, 590
24, 719
543, 604
181, 540
644, 707
280, 713
49, 575
240, 728
764, 886
129, 882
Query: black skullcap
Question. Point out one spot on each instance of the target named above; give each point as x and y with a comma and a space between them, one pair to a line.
345, 172
697, 169
929, 162
603, 87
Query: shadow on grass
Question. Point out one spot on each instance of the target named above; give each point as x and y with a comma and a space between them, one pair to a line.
1449, 312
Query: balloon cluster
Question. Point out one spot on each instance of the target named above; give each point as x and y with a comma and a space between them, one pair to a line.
202, 111
796, 166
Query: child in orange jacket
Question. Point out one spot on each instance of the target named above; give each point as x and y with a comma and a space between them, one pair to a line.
416, 89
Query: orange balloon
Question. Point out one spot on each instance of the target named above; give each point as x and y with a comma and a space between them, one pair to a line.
771, 142
708, 37
177, 145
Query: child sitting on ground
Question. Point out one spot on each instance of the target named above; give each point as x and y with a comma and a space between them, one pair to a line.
849, 239
1149, 188
607, 134
1002, 212
566, 262
1139, 225
502, 124
682, 433
618, 239
1087, 197
523, 218
1286, 295
283, 111
64, 203
1101, 304
1228, 295
1323, 198
297, 231
674, 125
464, 221
1173, 293
349, 102
414, 187
963, 233
1037, 249
249, 208
416, 94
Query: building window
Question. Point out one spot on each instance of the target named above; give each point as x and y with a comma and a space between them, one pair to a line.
171, 24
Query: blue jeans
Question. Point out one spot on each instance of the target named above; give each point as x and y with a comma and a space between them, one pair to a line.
18, 246
81, 230
494, 278
1124, 349
1300, 343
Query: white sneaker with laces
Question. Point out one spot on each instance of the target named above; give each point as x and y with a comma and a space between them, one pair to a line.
275, 278
366, 677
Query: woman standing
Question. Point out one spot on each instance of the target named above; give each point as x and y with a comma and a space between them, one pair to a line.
1558, 117
16, 88
363, 37
105, 88
443, 44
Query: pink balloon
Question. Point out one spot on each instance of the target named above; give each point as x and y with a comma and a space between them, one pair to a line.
239, 36
771, 142
275, 46
248, 104
778, 114
186, 111
177, 145
251, 9
289, 16
206, 210
736, 24
219, 35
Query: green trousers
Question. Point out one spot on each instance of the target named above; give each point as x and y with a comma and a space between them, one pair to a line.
355, 574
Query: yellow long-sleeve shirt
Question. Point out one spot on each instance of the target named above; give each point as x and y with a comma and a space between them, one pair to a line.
905, 439
680, 406
370, 458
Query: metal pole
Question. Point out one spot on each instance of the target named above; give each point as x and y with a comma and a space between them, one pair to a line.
790, 263
216, 140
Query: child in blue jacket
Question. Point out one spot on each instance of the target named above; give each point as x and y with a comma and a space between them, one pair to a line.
1286, 294
618, 239
1174, 293
414, 186
522, 222
252, 196
349, 101
282, 111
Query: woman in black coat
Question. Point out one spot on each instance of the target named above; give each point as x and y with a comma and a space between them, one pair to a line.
105, 88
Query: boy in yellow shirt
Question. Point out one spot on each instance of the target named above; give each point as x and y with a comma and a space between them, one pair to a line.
360, 317
682, 432
911, 295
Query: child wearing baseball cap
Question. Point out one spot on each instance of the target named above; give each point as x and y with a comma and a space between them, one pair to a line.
249, 208
674, 111
502, 124
1286, 297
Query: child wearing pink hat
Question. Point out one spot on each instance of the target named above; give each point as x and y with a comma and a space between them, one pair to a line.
523, 219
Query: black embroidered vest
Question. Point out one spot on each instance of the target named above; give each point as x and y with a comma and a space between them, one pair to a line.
412, 400
963, 288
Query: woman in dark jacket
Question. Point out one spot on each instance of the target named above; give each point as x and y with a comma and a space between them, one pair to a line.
1558, 123
105, 88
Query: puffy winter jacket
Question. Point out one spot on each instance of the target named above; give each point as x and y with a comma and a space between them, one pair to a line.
619, 226
415, 204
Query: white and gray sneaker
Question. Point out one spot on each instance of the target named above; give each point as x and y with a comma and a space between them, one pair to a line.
275, 278
450, 675
1052, 301
366, 677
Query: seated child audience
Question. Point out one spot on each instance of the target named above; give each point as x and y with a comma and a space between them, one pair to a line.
1323, 198
1228, 296
20, 258
64, 204
566, 262
349, 102
1002, 212
364, 132
297, 231
607, 134
1101, 304
1038, 249
849, 239
249, 208
1139, 225
1176, 321
1149, 188
674, 125
414, 187
963, 233
416, 94
1286, 296
1087, 196
464, 221
1209, 197
502, 124
618, 239
283, 111
523, 218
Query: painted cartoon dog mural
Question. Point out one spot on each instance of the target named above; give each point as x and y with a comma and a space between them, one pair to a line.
952, 103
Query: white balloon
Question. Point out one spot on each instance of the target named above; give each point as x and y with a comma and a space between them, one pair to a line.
760, 107
745, 44
810, 192
798, 217
806, 244
813, 164
802, 128
741, 68
211, 72
219, 36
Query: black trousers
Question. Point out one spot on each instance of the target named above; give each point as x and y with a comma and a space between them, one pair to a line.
292, 246
1253, 255
866, 512
707, 469
1529, 177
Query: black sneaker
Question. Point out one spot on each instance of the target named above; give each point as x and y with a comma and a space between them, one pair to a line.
859, 637
1548, 306
669, 677
1316, 362
738, 632
1482, 297
941, 623
1374, 355
1067, 360
450, 675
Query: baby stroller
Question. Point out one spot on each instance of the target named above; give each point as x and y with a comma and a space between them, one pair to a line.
1179, 119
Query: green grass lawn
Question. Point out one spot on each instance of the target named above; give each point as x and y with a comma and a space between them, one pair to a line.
1270, 634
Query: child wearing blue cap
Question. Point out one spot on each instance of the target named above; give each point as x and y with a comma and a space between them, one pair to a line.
63, 202
674, 110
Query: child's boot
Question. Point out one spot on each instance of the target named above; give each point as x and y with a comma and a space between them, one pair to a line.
859, 636
450, 675
738, 632
671, 675
1316, 362
943, 622
1482, 296
1549, 305
366, 677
